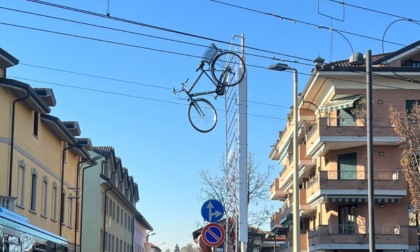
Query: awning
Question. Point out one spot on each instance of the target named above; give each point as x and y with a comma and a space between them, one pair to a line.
285, 150
343, 103
286, 220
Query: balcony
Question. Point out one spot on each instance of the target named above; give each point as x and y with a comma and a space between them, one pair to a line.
334, 134
275, 192
275, 221
356, 237
287, 246
388, 187
7, 202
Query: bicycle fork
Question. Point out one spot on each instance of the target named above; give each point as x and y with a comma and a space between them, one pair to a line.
198, 108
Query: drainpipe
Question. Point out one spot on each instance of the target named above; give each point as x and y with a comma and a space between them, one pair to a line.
62, 188
105, 211
83, 198
12, 140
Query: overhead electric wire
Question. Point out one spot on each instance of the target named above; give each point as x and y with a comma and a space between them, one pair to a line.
372, 10
143, 34
154, 49
131, 96
159, 28
130, 82
301, 22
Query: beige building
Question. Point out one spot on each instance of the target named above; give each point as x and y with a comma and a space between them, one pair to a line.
333, 156
109, 216
39, 158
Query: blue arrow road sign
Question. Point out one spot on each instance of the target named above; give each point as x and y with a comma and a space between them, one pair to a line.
212, 210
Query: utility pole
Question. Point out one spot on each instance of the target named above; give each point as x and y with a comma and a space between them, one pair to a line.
369, 134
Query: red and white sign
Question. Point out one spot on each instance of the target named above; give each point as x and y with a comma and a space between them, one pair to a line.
213, 234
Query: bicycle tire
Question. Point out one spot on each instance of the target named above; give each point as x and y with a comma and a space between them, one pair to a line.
225, 69
202, 115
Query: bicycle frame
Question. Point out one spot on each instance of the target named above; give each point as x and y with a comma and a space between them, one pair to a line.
189, 91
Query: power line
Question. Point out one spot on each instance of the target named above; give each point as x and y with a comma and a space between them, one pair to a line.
129, 82
159, 28
372, 10
301, 22
130, 95
146, 35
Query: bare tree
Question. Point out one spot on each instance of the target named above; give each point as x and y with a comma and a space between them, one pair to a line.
407, 126
215, 186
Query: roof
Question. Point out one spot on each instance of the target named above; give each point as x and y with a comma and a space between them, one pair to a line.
7, 60
379, 62
105, 151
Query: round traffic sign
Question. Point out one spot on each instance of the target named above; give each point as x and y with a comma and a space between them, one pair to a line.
213, 234
212, 210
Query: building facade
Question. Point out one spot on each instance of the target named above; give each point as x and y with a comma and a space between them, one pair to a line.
58, 193
39, 157
333, 158
110, 221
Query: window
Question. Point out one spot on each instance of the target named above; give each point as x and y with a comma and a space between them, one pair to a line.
102, 202
54, 202
109, 242
347, 166
112, 243
118, 214
347, 216
33, 189
44, 200
106, 241
101, 240
21, 184
116, 245
121, 246
36, 122
70, 210
110, 207
122, 218
113, 210
125, 220
63, 208
409, 105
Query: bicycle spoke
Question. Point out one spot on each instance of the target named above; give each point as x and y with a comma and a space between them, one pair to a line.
228, 69
202, 115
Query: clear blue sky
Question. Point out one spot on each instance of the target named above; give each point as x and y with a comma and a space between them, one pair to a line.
132, 108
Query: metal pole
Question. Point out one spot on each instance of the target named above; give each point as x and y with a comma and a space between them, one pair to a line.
243, 159
369, 134
296, 210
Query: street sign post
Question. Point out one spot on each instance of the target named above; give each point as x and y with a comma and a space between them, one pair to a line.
212, 210
213, 234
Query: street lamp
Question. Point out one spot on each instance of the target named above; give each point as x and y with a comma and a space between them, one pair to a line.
296, 212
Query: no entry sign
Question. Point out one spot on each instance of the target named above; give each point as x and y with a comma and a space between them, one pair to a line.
213, 234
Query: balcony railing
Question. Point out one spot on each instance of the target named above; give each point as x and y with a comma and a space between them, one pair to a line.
357, 234
334, 181
7, 202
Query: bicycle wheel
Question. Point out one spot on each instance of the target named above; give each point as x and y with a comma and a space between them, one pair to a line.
228, 69
202, 115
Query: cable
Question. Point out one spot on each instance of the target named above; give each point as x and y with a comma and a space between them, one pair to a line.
143, 34
129, 95
158, 28
302, 22
371, 10
130, 82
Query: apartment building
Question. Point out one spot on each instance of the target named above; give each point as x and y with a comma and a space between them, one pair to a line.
39, 160
110, 219
333, 158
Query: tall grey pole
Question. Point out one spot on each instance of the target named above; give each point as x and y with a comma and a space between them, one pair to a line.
369, 134
243, 160
296, 210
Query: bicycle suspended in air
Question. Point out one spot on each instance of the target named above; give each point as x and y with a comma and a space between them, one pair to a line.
226, 69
